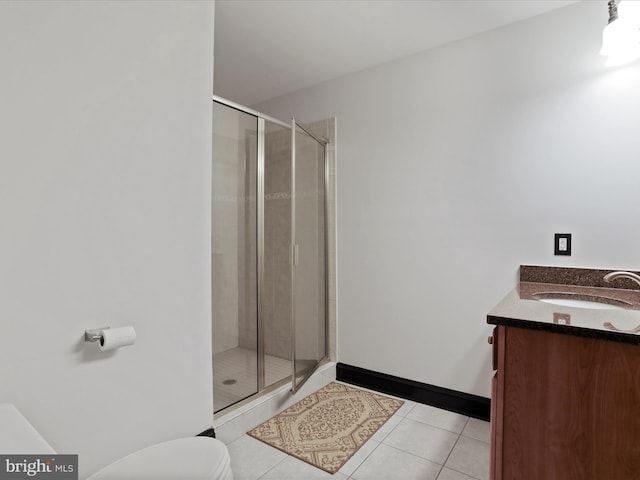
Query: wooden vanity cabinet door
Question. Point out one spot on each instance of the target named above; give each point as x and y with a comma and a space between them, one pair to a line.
497, 387
570, 408
493, 460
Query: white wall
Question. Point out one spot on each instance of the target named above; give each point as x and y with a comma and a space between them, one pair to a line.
457, 165
105, 166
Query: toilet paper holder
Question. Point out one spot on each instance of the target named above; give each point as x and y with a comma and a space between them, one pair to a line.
94, 335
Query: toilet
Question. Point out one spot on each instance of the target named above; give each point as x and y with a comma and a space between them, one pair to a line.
192, 458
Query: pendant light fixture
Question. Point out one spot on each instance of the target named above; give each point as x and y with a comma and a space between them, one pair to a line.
621, 36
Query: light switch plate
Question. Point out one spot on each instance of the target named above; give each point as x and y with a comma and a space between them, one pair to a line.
562, 244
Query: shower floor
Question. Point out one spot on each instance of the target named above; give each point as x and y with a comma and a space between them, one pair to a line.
240, 364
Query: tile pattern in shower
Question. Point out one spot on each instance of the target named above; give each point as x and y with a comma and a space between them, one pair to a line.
277, 238
233, 245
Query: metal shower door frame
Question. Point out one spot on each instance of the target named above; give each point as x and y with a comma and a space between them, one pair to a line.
295, 386
260, 207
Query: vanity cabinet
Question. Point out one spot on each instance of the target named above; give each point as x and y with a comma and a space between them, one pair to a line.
564, 407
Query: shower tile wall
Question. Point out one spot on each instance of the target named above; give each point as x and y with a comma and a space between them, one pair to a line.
277, 233
234, 232
247, 250
277, 250
224, 244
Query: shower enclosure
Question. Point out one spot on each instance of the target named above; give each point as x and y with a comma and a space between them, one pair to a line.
269, 252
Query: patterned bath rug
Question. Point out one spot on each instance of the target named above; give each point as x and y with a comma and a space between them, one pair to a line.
326, 428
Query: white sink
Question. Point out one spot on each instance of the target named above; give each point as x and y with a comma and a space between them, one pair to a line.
571, 302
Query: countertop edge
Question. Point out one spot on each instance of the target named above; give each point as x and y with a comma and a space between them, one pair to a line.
564, 329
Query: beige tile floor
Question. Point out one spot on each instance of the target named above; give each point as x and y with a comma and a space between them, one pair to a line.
418, 443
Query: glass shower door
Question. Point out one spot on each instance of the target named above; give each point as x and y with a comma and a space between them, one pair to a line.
308, 272
234, 255
268, 253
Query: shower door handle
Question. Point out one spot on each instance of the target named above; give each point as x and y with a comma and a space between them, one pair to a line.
296, 255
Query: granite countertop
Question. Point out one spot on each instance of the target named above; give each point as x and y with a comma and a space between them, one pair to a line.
522, 307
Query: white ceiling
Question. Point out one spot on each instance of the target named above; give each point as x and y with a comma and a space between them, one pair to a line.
267, 48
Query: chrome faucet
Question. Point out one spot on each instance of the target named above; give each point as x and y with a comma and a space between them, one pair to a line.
613, 275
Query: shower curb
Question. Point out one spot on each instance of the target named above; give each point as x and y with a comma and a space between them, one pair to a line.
232, 425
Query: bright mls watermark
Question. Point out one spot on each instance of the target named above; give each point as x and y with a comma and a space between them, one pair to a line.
51, 467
